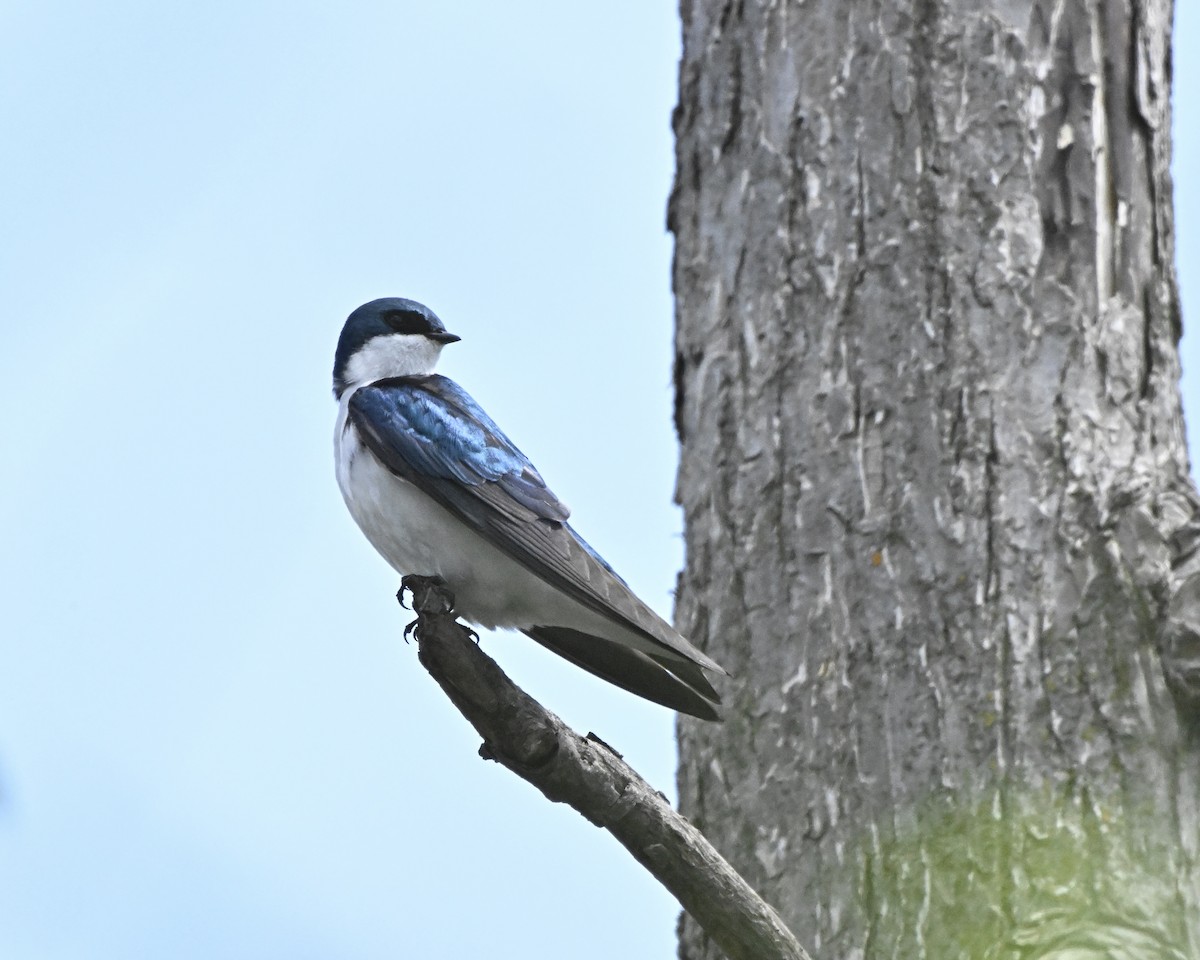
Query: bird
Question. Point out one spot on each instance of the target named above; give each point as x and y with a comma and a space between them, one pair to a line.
439, 490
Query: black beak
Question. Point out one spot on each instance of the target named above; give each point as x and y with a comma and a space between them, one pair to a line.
443, 337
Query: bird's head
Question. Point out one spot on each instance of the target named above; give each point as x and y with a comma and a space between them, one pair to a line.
389, 337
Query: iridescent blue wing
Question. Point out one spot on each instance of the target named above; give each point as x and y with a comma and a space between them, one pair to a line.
428, 431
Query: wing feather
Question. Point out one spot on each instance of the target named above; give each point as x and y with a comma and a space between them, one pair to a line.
428, 431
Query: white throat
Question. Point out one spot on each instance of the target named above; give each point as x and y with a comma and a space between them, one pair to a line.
394, 355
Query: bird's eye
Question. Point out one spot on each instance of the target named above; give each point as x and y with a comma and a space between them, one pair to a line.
406, 321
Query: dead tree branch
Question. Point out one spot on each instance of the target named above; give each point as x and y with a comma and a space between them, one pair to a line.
533, 743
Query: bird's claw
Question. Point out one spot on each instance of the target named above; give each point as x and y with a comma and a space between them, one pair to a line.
422, 589
409, 583
410, 631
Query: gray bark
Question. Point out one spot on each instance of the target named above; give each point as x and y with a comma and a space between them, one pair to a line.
938, 518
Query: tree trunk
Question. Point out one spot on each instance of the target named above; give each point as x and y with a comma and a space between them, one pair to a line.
939, 524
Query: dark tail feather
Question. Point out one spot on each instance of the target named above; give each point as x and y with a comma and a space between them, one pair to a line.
691, 675
680, 686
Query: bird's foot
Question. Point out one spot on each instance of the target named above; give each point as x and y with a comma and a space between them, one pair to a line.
418, 587
430, 596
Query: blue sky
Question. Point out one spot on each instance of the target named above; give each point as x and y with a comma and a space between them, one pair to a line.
213, 742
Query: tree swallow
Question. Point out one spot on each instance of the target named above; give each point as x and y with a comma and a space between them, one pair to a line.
439, 490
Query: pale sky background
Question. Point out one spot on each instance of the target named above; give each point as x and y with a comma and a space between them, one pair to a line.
213, 742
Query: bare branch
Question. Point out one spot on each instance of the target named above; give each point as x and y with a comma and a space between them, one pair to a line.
533, 743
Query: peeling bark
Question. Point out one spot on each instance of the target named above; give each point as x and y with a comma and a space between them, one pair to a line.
939, 522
